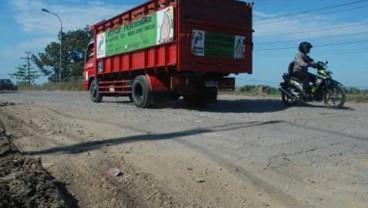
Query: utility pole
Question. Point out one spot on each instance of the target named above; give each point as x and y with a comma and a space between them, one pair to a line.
25, 74
28, 68
60, 37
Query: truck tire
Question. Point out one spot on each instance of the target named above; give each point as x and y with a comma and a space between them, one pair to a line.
94, 92
141, 93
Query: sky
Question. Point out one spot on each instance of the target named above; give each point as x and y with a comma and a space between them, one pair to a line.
338, 30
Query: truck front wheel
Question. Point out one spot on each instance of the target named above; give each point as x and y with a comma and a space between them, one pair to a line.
141, 93
95, 92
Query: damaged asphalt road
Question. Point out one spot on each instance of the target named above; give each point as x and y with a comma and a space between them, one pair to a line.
241, 152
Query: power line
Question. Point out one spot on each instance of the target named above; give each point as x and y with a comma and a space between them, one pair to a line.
320, 45
342, 43
329, 36
350, 53
316, 29
314, 10
306, 16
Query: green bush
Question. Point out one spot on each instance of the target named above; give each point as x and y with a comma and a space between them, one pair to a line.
357, 95
353, 94
256, 90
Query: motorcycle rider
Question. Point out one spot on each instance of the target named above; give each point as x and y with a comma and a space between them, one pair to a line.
299, 67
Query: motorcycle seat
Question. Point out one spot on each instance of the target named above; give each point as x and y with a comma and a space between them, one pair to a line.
289, 76
294, 78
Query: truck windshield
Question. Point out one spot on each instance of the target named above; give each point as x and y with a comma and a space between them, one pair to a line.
90, 51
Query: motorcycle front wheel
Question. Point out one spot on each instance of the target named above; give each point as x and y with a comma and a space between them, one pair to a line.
334, 97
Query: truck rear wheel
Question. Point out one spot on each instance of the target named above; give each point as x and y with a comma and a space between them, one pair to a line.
141, 93
95, 92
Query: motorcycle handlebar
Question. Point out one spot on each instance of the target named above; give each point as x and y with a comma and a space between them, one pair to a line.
321, 65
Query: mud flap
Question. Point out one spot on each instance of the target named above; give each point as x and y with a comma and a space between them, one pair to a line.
160, 92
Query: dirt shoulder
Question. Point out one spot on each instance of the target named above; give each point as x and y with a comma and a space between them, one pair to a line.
25, 183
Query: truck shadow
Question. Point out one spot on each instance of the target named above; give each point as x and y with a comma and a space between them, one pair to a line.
258, 106
234, 106
93, 145
237, 106
221, 106
7, 92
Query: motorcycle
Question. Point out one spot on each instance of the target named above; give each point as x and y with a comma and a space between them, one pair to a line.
325, 89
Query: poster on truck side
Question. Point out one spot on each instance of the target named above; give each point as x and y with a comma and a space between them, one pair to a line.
217, 45
151, 30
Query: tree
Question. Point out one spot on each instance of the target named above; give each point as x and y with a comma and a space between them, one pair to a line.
74, 44
25, 74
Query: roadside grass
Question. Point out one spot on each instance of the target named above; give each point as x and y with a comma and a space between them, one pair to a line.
255, 90
76, 85
353, 94
357, 95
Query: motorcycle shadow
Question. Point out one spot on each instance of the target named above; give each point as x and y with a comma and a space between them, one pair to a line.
319, 105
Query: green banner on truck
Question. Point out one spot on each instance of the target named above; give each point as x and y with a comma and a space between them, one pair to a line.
212, 44
149, 31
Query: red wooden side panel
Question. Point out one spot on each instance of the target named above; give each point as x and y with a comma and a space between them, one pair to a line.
173, 54
107, 65
148, 58
151, 59
138, 60
125, 62
220, 17
116, 64
229, 17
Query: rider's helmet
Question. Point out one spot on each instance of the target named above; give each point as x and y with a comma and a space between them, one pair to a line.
305, 47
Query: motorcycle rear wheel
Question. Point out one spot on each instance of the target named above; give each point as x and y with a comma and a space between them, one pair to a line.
334, 97
287, 100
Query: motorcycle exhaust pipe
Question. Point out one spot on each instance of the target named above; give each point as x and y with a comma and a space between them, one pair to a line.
287, 93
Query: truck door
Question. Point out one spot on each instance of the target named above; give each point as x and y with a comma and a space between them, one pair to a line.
89, 63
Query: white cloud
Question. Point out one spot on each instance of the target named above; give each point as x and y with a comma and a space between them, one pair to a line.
43, 28
33, 20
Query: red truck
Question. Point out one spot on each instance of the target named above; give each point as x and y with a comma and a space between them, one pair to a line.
165, 49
